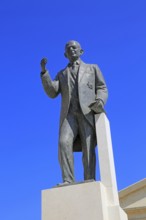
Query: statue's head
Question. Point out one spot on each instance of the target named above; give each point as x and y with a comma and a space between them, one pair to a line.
73, 50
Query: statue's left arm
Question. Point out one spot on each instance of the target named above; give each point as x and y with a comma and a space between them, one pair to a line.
100, 86
101, 92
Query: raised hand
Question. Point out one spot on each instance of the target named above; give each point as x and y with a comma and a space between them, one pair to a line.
43, 64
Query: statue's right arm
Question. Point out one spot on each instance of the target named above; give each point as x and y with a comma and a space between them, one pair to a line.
51, 87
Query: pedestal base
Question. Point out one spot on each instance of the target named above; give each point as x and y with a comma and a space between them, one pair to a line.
84, 201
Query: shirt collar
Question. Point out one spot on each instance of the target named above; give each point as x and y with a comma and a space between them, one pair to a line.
77, 62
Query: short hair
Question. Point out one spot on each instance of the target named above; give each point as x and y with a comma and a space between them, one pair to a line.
72, 42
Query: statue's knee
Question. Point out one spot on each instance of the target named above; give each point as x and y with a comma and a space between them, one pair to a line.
63, 142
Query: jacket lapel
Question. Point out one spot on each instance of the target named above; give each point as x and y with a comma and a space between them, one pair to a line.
81, 71
66, 73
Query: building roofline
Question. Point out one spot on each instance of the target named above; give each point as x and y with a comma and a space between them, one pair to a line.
134, 187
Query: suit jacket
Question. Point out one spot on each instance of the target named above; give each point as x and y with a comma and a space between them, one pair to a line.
91, 86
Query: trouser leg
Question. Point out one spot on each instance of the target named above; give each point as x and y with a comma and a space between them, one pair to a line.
88, 140
68, 133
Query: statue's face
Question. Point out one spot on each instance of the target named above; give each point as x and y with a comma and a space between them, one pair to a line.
73, 51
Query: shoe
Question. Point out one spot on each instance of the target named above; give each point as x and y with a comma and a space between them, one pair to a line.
63, 184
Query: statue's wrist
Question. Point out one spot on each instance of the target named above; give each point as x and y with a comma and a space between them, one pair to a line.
100, 100
43, 71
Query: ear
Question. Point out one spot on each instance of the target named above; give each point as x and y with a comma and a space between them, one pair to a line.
81, 51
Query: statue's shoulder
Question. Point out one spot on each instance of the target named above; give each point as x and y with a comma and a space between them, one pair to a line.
89, 64
62, 72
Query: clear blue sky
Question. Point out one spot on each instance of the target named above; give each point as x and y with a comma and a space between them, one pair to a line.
113, 35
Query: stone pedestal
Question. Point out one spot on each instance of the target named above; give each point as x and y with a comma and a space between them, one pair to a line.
88, 200
84, 201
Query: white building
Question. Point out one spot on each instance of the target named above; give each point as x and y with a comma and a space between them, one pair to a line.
133, 200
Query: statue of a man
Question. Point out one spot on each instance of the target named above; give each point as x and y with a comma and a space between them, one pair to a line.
84, 93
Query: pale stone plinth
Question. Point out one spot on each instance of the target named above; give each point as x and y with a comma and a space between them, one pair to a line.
106, 160
85, 201
92, 200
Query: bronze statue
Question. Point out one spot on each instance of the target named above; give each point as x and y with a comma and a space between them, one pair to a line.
84, 93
